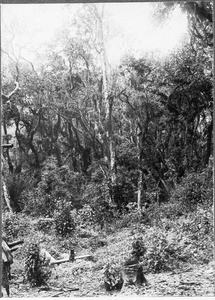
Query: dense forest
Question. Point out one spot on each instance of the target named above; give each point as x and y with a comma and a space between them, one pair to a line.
99, 150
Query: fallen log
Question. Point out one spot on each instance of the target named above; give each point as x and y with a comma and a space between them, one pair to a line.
84, 256
14, 248
15, 243
7, 146
60, 261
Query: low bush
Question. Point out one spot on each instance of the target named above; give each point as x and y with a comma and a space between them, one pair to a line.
15, 225
195, 189
101, 209
130, 217
64, 222
173, 243
56, 183
16, 185
10, 224
36, 271
113, 278
84, 217
45, 224
138, 249
198, 228
97, 242
37, 204
160, 255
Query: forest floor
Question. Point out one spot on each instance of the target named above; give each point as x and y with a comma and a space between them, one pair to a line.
195, 282
85, 277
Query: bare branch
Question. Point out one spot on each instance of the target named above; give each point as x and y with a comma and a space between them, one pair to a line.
32, 66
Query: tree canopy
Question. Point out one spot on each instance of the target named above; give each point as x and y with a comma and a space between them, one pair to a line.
129, 134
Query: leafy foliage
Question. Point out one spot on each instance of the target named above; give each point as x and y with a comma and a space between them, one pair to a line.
64, 222
113, 279
161, 252
15, 225
10, 225
157, 140
138, 249
98, 193
195, 189
37, 273
45, 224
56, 183
17, 184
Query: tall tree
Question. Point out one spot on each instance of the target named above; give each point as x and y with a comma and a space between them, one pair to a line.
93, 19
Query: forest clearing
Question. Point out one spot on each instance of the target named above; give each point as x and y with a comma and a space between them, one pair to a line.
107, 153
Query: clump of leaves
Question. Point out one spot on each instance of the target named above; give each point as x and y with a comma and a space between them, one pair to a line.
15, 225
45, 224
137, 252
85, 217
56, 183
113, 278
164, 249
96, 242
10, 225
195, 189
198, 227
128, 218
133, 269
138, 248
37, 272
97, 191
64, 222
16, 184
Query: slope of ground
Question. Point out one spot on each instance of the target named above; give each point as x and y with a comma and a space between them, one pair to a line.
85, 277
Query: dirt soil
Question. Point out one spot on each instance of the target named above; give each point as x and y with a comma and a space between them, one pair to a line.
81, 278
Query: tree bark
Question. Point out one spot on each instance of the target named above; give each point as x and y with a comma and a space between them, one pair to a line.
209, 143
108, 100
140, 177
6, 195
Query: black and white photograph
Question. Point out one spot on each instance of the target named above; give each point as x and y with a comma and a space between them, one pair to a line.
107, 149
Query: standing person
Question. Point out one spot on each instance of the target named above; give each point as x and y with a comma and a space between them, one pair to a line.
7, 260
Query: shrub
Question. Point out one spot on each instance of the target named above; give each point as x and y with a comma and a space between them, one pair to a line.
124, 190
170, 210
15, 225
102, 210
188, 239
64, 222
131, 217
84, 217
16, 184
37, 273
10, 225
56, 183
163, 249
195, 189
127, 173
113, 278
45, 224
198, 227
138, 248
103, 213
96, 242
158, 254
36, 203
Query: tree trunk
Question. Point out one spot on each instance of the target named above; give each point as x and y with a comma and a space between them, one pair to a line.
209, 143
108, 102
111, 147
140, 177
10, 165
140, 190
6, 196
